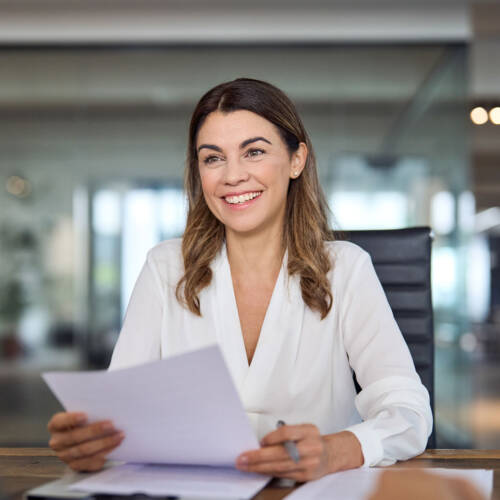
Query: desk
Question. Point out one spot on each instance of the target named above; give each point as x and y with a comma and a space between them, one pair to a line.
25, 468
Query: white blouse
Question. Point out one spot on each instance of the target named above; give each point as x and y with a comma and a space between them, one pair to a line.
301, 371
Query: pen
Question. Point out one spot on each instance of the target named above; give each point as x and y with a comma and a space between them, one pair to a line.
290, 446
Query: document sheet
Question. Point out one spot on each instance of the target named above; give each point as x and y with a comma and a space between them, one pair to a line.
181, 410
357, 484
175, 480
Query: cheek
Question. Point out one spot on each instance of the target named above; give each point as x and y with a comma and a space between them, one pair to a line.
208, 181
281, 176
274, 172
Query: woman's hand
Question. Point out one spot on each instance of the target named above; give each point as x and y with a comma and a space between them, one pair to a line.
82, 446
319, 455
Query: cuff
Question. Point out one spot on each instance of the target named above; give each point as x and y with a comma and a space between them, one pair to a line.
372, 449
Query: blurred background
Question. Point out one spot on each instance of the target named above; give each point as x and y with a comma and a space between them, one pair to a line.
402, 102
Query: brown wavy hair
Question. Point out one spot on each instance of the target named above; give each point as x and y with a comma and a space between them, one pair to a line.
306, 223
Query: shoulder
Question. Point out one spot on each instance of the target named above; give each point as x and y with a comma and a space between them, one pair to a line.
349, 264
166, 250
345, 253
165, 259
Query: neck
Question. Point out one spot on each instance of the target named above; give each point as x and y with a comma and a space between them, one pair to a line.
255, 254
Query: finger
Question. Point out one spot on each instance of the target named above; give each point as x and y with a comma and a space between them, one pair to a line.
267, 454
90, 464
289, 433
91, 448
61, 440
308, 465
306, 448
95, 462
66, 420
272, 468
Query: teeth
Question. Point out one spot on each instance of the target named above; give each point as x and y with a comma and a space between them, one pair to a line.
242, 197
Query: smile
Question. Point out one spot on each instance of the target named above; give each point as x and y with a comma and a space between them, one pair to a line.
242, 198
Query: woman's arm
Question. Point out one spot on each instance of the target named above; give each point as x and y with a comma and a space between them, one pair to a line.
393, 403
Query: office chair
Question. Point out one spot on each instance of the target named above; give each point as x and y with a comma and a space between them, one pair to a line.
402, 261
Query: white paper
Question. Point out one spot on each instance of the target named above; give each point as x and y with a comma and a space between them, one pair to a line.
175, 480
357, 484
181, 410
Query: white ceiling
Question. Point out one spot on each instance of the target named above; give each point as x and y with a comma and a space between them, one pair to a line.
222, 21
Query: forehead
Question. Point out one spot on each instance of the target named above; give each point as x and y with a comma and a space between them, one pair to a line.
234, 127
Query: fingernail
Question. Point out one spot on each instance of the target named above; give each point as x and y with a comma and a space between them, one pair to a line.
242, 460
121, 435
108, 426
81, 418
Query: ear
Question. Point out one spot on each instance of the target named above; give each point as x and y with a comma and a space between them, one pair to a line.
298, 161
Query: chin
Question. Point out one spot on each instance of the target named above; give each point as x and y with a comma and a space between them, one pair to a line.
249, 227
243, 229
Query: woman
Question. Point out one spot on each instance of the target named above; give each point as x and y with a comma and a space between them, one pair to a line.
293, 310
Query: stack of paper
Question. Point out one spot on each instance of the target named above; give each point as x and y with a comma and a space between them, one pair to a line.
178, 480
181, 410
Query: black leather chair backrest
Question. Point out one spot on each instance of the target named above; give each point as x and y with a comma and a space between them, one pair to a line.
402, 261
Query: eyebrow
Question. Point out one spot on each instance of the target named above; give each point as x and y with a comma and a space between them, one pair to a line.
242, 145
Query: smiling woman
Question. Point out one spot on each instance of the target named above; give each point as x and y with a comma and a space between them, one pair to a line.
294, 311
252, 133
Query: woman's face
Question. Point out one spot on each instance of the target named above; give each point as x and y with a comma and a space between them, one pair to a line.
245, 169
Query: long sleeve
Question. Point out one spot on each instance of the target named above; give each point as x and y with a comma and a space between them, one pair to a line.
140, 337
393, 403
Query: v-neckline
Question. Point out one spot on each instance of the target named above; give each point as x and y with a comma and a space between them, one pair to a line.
283, 317
236, 314
228, 323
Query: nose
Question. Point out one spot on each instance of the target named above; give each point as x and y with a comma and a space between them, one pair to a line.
235, 172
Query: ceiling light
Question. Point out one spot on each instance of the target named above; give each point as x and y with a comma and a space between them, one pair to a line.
495, 115
479, 115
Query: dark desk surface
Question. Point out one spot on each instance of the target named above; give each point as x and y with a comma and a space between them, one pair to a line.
25, 468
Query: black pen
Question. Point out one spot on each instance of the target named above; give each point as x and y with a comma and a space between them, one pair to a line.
290, 446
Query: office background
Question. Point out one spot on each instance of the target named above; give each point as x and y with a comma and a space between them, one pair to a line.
95, 99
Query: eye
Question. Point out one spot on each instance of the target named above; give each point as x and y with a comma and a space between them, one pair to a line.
210, 160
254, 152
